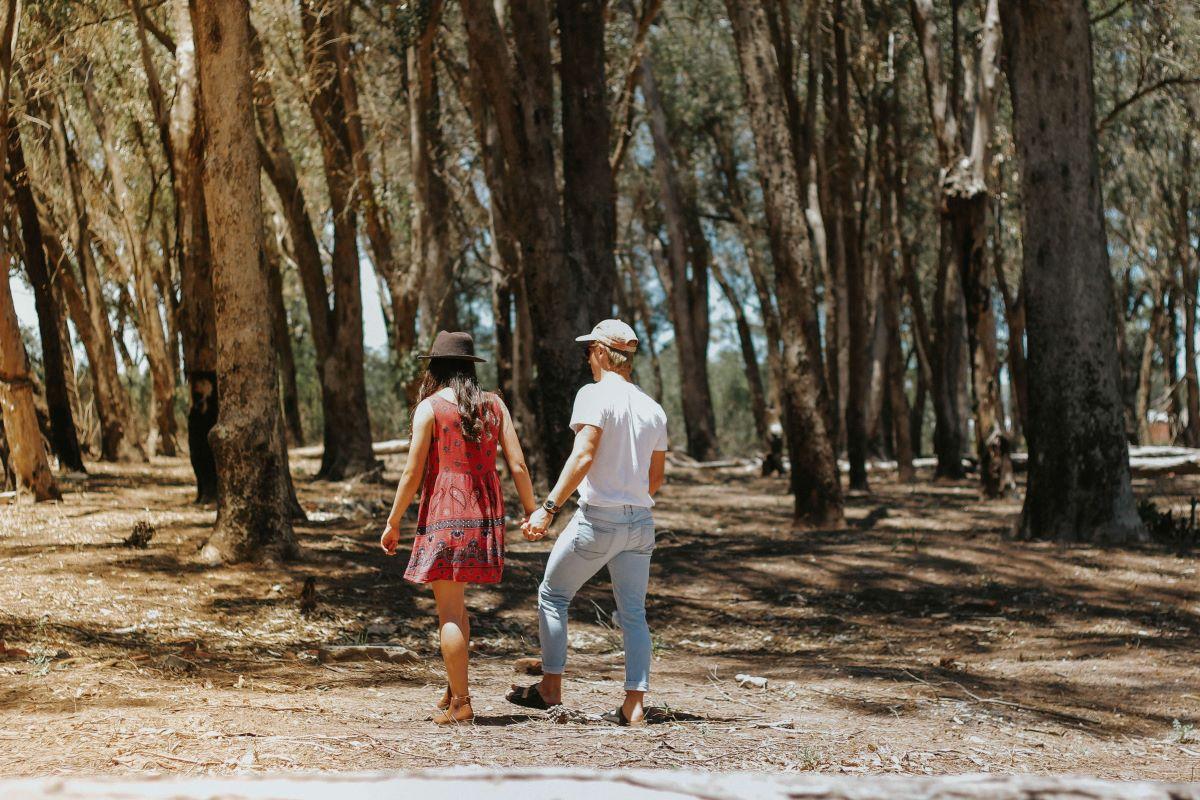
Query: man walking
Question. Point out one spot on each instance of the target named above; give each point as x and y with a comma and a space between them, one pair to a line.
617, 464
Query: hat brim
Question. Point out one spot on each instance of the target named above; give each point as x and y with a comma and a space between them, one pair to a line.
591, 337
475, 359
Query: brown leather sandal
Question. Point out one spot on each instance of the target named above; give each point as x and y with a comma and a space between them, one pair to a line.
444, 703
458, 712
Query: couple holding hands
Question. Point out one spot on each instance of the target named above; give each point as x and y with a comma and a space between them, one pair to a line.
617, 464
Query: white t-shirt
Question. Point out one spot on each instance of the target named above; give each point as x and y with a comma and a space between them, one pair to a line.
634, 427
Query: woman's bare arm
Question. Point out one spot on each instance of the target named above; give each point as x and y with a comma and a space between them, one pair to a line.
410, 481
514, 456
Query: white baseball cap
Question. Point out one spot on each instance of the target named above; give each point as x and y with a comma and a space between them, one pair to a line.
614, 333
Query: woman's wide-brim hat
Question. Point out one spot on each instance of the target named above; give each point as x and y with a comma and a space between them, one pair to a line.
455, 345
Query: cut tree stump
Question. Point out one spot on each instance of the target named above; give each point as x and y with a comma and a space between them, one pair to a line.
548, 784
391, 653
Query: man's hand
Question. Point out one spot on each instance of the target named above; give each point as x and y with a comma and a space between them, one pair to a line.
390, 538
536, 526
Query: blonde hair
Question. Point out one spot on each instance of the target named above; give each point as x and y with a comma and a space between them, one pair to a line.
617, 359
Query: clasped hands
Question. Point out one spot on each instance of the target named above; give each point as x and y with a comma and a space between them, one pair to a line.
536, 525
534, 528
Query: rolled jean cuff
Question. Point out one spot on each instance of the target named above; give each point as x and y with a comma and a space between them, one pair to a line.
635, 686
547, 670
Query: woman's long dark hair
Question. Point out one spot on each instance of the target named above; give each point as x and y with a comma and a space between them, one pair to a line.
459, 375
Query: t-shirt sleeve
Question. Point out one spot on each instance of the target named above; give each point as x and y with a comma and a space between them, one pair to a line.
588, 410
662, 442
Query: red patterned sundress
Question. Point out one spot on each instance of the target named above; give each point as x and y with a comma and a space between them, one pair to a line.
460, 525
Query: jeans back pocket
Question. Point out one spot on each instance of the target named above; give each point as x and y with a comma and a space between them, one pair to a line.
592, 541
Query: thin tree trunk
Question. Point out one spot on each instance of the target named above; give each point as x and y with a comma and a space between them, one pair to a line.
337, 332
1146, 369
432, 260
758, 397
118, 429
1079, 483
843, 180
147, 317
64, 438
197, 316
283, 341
814, 477
253, 510
686, 299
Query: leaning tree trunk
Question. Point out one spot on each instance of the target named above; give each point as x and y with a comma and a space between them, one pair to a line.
347, 437
253, 514
814, 476
64, 438
1079, 483
687, 300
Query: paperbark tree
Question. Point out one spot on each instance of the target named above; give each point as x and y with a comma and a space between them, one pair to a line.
1079, 483
253, 508
26, 453
965, 280
814, 476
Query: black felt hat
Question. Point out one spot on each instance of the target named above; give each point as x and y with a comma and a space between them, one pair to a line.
453, 344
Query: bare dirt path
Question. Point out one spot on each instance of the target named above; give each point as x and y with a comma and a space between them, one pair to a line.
918, 641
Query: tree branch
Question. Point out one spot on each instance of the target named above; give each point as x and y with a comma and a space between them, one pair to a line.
1174, 80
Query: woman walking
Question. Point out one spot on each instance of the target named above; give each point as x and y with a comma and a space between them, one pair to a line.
460, 526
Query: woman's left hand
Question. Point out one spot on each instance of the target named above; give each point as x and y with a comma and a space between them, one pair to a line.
390, 539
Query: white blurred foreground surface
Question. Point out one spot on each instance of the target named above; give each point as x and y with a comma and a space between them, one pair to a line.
582, 784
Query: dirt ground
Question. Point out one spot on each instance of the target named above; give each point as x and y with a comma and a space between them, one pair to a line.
919, 640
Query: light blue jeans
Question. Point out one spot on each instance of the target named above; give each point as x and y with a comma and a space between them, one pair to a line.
623, 538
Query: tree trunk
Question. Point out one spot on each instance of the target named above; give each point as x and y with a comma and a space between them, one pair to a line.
337, 332
64, 438
26, 452
687, 299
433, 264
589, 193
253, 514
197, 320
1079, 483
889, 307
283, 341
517, 87
754, 382
118, 429
843, 181
1146, 368
147, 316
814, 477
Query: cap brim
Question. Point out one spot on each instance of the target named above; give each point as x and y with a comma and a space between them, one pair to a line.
476, 359
587, 337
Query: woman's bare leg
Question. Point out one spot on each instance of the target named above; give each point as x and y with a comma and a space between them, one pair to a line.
451, 602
